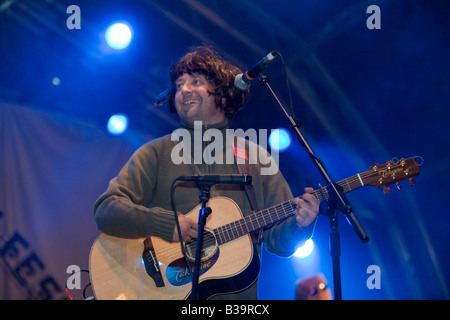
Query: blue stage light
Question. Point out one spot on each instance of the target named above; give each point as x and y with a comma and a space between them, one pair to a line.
280, 140
119, 35
56, 81
305, 250
117, 124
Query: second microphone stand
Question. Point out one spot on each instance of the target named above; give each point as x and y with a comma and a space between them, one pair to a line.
204, 212
330, 206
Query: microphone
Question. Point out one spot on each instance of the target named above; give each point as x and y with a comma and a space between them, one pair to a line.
243, 80
213, 179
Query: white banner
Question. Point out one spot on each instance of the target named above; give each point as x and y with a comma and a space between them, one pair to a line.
52, 169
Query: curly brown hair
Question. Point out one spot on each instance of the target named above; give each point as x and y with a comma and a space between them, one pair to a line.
217, 71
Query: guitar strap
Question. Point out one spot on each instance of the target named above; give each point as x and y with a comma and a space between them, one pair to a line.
244, 168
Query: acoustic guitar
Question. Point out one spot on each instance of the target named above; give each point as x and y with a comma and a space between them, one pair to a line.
153, 268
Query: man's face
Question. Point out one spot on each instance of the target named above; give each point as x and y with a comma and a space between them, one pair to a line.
193, 101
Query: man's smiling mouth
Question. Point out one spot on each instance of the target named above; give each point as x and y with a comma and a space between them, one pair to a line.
189, 102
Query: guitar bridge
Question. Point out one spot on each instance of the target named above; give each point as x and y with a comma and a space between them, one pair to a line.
151, 263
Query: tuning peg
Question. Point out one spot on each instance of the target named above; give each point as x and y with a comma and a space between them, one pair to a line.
412, 181
388, 164
386, 190
399, 187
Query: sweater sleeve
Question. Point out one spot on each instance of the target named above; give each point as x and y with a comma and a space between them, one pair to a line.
123, 211
283, 237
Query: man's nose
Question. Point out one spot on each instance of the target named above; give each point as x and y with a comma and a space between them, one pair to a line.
186, 87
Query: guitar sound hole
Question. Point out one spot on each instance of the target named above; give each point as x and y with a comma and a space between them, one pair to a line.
178, 274
209, 246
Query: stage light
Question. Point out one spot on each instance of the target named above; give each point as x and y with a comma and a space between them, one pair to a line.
280, 140
56, 81
119, 35
117, 124
305, 250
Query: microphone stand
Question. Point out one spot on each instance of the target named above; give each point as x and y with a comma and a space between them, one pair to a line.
204, 212
328, 207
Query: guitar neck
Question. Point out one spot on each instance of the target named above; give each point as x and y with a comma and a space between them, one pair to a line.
276, 213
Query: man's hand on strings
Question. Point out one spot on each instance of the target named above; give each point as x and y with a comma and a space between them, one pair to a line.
307, 208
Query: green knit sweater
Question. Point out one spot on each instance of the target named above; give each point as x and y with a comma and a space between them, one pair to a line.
137, 201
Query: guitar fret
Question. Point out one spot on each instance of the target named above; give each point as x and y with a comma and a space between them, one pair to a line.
239, 229
277, 212
349, 188
293, 206
218, 236
246, 226
231, 229
268, 214
360, 180
222, 237
242, 232
250, 219
263, 219
223, 234
234, 230
226, 233
280, 211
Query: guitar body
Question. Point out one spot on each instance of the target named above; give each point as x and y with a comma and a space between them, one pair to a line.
118, 270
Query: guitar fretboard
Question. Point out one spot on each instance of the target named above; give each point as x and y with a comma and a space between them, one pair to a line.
276, 213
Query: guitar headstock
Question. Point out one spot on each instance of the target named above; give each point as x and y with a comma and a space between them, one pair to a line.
381, 176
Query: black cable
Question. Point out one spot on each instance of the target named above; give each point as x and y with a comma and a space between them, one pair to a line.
288, 86
292, 111
177, 223
85, 288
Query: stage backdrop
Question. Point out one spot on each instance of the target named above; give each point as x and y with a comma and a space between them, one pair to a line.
52, 169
